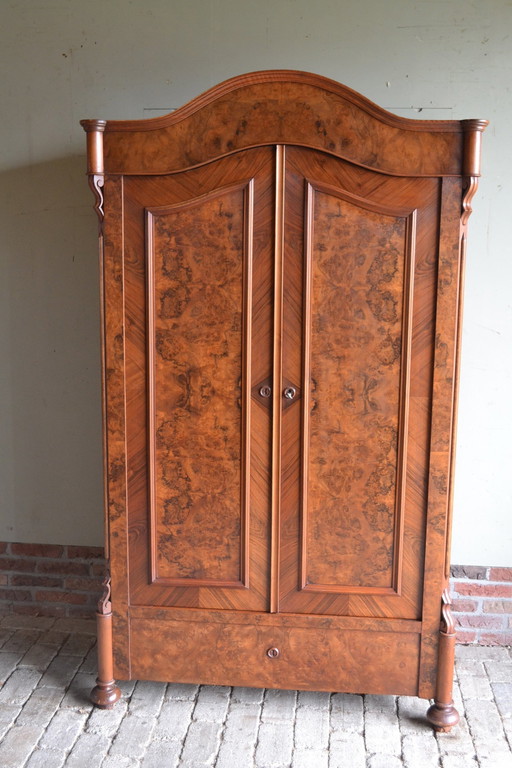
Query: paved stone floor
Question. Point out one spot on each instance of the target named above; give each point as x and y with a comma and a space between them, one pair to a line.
46, 721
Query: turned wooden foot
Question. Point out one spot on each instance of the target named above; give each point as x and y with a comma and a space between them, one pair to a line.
442, 717
442, 714
105, 693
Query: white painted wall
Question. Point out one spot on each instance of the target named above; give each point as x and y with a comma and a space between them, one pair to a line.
116, 59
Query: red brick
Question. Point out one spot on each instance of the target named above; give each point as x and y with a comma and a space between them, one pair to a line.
37, 550
84, 585
465, 606
468, 571
28, 610
63, 567
86, 553
3, 547
496, 638
500, 574
81, 613
60, 597
497, 606
15, 594
93, 597
3, 579
488, 622
33, 580
52, 610
465, 636
98, 569
474, 589
17, 565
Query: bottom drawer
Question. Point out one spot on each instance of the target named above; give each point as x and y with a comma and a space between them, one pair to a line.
274, 656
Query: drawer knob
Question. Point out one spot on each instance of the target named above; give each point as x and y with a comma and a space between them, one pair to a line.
273, 653
290, 393
265, 391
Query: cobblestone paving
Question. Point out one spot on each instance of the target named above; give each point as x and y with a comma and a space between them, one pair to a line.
47, 667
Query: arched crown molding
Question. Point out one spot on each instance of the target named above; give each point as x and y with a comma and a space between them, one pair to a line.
286, 107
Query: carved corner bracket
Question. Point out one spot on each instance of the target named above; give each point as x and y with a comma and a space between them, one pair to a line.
105, 603
472, 130
468, 193
447, 622
96, 181
95, 163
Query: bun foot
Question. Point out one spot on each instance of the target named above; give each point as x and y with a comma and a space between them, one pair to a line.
442, 717
105, 695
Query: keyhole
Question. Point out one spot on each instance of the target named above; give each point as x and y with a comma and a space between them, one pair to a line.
273, 653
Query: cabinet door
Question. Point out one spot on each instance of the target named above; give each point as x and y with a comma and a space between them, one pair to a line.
358, 309
198, 292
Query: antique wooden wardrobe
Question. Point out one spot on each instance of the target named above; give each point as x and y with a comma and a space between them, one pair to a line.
282, 266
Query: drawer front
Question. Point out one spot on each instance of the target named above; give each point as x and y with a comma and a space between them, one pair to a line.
274, 656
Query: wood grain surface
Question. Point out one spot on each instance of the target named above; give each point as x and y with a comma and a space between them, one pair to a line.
282, 293
284, 107
359, 319
115, 426
199, 318
354, 659
356, 307
447, 322
199, 475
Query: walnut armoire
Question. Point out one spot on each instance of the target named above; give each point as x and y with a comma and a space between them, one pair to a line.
282, 265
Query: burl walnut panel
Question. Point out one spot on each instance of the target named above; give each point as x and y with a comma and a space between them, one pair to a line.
356, 305
309, 658
267, 108
198, 285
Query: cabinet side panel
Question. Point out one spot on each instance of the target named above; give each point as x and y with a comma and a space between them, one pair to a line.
443, 410
115, 418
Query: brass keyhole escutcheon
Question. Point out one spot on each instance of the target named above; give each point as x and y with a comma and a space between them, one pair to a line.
290, 393
265, 391
273, 653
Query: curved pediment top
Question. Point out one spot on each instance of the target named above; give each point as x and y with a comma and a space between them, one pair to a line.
289, 77
286, 107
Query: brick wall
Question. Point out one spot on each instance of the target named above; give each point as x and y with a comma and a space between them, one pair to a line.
55, 580
50, 579
482, 604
